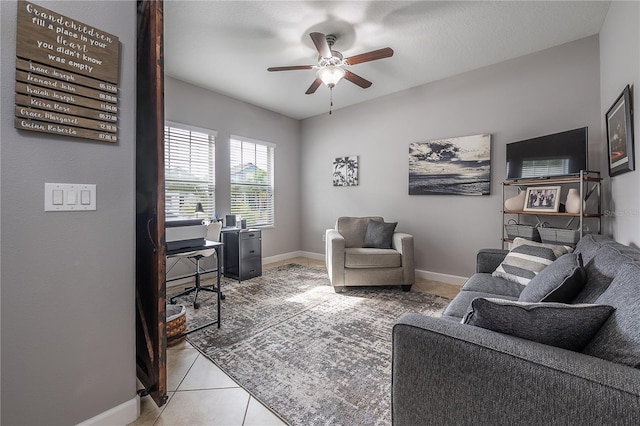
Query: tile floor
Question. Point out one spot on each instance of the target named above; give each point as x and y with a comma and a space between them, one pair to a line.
201, 394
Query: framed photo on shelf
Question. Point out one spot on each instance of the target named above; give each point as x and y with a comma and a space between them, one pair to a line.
620, 135
543, 199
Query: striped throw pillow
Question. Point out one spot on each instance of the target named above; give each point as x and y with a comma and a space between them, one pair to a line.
527, 258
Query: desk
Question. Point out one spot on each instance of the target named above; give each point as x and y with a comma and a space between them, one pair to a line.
216, 288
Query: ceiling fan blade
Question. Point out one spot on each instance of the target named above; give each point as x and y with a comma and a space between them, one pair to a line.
320, 41
356, 79
290, 68
314, 86
370, 56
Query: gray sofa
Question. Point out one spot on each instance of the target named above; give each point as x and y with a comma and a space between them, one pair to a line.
449, 373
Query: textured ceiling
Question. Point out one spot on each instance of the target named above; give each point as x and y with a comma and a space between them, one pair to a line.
227, 46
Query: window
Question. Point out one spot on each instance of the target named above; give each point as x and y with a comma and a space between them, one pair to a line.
189, 163
252, 181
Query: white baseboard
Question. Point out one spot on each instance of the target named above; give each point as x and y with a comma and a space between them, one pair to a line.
443, 278
292, 255
122, 414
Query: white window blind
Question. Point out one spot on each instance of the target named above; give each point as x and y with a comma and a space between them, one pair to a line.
252, 186
189, 162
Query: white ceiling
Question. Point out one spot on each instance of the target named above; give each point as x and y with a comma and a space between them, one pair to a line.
227, 46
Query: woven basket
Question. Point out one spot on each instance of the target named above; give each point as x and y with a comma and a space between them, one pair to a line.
524, 231
176, 324
559, 235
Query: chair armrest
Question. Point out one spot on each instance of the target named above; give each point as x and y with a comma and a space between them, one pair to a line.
487, 260
403, 243
445, 372
334, 256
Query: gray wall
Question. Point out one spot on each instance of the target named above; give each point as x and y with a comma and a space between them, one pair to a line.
188, 104
545, 92
619, 66
68, 318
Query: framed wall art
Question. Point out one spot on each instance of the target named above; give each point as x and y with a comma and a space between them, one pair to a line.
345, 171
543, 199
452, 166
620, 134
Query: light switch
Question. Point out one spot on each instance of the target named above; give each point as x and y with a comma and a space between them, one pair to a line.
59, 197
85, 197
72, 197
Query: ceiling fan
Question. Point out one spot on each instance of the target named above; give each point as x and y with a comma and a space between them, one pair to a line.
331, 67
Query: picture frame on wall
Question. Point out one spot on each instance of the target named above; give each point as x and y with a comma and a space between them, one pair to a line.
345, 171
451, 166
620, 134
543, 199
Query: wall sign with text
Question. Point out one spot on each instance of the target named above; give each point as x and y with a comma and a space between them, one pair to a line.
66, 76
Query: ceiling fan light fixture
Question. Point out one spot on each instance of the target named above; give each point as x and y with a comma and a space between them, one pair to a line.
331, 75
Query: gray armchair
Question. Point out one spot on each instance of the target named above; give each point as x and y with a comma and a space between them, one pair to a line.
351, 264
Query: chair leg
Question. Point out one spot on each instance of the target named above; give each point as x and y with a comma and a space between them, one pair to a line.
197, 288
338, 288
406, 287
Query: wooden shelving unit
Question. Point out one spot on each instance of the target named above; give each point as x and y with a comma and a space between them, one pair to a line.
589, 185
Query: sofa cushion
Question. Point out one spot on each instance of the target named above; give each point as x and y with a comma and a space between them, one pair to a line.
371, 258
619, 338
459, 306
603, 267
555, 324
353, 229
526, 259
559, 282
487, 283
379, 234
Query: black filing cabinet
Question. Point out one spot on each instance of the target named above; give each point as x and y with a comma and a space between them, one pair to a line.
242, 253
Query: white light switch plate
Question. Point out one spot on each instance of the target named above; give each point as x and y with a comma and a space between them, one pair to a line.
60, 197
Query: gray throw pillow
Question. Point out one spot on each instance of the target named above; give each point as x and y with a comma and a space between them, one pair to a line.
526, 259
619, 338
555, 324
379, 234
559, 282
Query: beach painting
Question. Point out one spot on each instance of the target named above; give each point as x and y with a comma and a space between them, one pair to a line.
452, 166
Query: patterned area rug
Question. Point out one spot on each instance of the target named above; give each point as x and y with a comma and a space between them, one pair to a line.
312, 356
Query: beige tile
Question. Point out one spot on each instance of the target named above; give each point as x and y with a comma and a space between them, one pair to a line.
272, 265
204, 374
178, 364
448, 291
149, 411
259, 415
182, 345
299, 260
206, 407
317, 264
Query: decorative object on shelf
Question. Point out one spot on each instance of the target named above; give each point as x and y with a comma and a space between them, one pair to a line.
542, 199
620, 134
516, 203
572, 204
452, 166
550, 235
345, 171
515, 229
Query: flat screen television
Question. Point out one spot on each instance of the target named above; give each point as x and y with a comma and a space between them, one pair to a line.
555, 155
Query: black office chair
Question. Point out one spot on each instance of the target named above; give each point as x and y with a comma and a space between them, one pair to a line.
213, 234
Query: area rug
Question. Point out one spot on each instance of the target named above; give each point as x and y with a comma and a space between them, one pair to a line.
312, 356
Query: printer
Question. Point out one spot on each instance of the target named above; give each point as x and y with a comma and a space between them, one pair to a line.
180, 234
